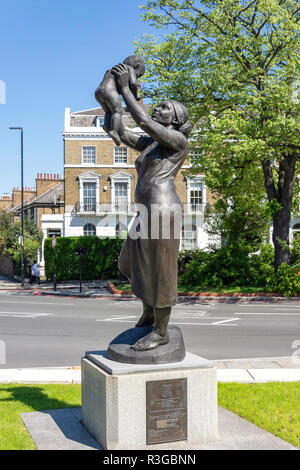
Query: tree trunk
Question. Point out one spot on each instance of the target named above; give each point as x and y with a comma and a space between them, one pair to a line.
281, 226
282, 219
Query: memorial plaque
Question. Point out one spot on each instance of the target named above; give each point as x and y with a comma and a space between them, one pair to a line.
166, 411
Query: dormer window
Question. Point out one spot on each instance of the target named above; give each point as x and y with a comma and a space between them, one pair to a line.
99, 121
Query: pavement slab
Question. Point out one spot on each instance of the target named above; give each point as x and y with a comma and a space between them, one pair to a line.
227, 371
286, 362
234, 375
62, 430
275, 375
98, 288
58, 430
48, 375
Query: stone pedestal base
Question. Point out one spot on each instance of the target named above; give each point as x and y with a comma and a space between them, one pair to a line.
118, 415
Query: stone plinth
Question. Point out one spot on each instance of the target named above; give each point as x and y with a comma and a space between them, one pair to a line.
115, 410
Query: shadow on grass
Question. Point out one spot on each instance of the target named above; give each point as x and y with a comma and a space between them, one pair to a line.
34, 397
53, 423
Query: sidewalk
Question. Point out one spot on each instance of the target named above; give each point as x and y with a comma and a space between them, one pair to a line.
257, 370
62, 430
89, 288
98, 289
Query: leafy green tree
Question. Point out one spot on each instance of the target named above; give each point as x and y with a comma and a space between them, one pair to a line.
243, 214
5, 224
236, 65
32, 241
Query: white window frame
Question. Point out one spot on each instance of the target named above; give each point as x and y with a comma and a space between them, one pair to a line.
89, 223
188, 234
116, 149
200, 180
82, 155
89, 177
120, 177
98, 121
57, 232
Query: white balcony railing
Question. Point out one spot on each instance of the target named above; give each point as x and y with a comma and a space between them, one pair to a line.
103, 208
129, 208
193, 208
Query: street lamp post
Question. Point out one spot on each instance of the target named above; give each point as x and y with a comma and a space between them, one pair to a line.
22, 207
80, 251
54, 249
80, 269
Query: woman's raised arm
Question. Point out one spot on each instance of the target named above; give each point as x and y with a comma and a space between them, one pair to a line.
131, 139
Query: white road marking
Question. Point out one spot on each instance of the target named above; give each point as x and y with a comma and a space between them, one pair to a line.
34, 303
114, 320
31, 313
225, 321
269, 306
24, 314
118, 318
204, 324
126, 319
288, 308
268, 313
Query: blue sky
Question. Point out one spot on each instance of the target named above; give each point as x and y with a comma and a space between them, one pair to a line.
53, 55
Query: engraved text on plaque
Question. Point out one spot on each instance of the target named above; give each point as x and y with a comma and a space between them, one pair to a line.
166, 410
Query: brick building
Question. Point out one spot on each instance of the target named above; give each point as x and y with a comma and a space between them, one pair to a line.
100, 179
5, 202
43, 203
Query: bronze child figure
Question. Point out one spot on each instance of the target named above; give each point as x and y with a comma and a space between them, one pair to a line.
108, 95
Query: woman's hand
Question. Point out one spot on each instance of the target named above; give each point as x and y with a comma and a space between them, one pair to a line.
121, 72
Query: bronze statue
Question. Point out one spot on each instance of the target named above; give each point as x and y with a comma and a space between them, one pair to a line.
150, 263
107, 94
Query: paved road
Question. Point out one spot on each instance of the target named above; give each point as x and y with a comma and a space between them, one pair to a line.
56, 331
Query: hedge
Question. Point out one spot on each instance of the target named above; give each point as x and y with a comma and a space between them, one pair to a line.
100, 262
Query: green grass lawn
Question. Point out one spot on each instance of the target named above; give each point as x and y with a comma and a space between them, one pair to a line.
273, 406
125, 286
19, 398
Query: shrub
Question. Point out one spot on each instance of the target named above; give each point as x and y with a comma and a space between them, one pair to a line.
228, 266
101, 260
30, 255
287, 281
261, 267
32, 242
295, 251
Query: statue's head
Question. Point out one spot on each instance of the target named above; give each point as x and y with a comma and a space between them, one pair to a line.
137, 63
171, 112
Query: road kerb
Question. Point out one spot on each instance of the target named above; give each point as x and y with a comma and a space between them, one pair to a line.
73, 375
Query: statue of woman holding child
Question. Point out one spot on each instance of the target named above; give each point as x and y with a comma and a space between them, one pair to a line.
150, 263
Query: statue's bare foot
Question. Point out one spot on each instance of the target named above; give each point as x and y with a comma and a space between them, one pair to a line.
150, 341
147, 319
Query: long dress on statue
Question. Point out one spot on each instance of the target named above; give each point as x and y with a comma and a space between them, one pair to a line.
150, 262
